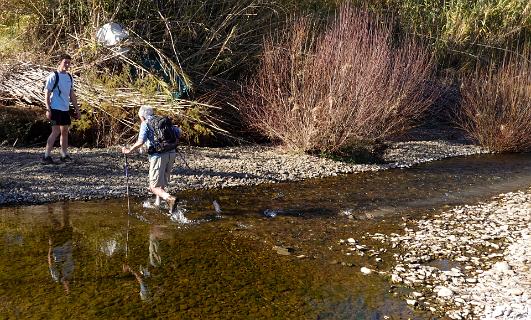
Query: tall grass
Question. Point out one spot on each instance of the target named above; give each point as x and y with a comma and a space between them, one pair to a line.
496, 105
201, 43
347, 86
463, 31
206, 38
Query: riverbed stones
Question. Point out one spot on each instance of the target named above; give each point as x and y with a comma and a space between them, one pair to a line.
365, 270
99, 173
285, 251
486, 250
411, 302
396, 278
444, 292
501, 266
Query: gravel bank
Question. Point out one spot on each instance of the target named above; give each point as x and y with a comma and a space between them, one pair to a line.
99, 173
471, 262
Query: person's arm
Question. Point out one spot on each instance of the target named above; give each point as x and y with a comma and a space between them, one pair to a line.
73, 98
137, 145
142, 137
47, 102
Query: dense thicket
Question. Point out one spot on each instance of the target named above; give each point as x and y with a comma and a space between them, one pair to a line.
212, 47
496, 105
335, 89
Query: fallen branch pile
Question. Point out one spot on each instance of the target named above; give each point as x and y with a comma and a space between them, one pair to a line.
25, 83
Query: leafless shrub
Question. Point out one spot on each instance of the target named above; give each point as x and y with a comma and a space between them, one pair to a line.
496, 105
347, 86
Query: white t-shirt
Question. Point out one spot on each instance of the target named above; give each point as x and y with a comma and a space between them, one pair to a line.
59, 101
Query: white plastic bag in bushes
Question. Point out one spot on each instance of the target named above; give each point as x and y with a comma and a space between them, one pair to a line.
111, 34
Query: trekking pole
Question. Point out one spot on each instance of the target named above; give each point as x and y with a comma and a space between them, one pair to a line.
183, 159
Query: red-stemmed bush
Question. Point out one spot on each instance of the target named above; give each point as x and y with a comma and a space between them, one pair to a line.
496, 105
346, 85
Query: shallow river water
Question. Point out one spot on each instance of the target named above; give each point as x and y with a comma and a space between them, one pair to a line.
270, 252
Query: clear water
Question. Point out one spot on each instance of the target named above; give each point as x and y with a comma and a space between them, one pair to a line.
216, 257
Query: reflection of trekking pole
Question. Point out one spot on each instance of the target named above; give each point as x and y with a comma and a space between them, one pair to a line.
127, 184
128, 206
182, 157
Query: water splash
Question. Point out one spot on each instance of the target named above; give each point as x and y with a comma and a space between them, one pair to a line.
147, 204
217, 208
178, 216
346, 212
270, 213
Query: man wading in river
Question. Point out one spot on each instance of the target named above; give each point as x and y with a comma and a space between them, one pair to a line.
58, 92
161, 138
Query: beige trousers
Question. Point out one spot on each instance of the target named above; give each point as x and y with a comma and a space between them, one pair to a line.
160, 169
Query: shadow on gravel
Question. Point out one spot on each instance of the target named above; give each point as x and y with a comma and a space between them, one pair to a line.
211, 173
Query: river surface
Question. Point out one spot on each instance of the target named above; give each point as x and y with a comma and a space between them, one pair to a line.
267, 252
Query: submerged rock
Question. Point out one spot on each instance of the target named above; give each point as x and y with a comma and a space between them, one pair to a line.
365, 270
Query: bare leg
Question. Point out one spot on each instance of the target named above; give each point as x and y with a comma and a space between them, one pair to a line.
64, 140
170, 200
159, 192
51, 140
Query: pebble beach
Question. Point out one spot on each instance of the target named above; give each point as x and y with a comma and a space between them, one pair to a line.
470, 262
100, 174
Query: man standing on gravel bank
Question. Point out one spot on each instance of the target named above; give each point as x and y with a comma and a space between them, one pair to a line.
59, 91
160, 160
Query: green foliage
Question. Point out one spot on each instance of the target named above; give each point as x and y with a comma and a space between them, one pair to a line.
462, 30
192, 129
12, 30
84, 123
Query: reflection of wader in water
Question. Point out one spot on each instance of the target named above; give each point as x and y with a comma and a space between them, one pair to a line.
60, 259
154, 256
155, 260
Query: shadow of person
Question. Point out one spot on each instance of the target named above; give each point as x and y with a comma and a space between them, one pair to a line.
60, 255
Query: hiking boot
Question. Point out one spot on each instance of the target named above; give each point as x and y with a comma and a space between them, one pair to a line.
47, 160
66, 158
171, 201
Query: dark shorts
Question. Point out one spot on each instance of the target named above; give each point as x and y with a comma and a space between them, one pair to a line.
60, 118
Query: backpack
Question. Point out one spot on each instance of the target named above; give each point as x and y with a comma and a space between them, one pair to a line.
164, 135
56, 81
